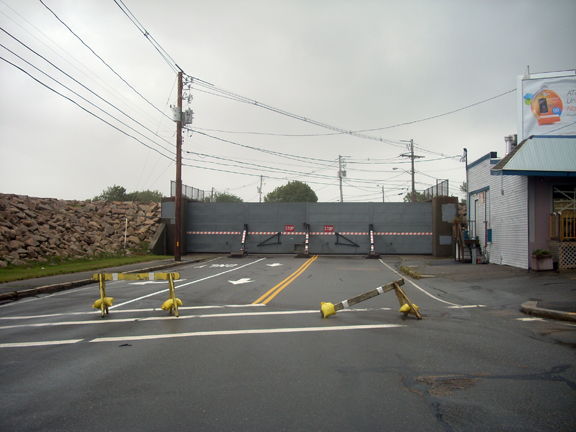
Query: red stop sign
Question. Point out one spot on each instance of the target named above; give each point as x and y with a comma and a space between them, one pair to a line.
289, 228
328, 228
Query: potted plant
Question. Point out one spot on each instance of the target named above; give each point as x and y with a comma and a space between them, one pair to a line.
541, 260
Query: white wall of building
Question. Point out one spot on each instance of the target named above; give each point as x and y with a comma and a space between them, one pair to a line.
499, 203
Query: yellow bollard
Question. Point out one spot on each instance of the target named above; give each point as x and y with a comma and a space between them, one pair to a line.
406, 306
172, 303
406, 309
327, 309
103, 302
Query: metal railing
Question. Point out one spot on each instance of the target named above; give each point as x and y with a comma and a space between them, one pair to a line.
563, 225
441, 189
187, 191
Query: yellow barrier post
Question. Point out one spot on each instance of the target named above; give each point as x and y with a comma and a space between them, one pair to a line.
172, 303
104, 302
406, 306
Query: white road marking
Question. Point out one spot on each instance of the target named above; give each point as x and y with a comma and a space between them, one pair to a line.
171, 317
466, 307
186, 284
245, 332
421, 289
25, 317
274, 265
43, 343
530, 319
206, 333
158, 318
241, 281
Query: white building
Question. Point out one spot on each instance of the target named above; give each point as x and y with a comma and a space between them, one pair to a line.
525, 201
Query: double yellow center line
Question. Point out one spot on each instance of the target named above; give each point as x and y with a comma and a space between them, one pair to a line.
276, 290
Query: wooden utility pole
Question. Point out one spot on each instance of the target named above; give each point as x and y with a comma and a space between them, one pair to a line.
412, 157
178, 198
260, 189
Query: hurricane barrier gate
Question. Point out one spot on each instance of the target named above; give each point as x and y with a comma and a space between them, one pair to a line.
321, 228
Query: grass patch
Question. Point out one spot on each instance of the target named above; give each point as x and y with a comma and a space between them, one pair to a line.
410, 272
53, 268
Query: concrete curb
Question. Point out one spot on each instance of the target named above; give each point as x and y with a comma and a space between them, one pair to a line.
531, 308
49, 289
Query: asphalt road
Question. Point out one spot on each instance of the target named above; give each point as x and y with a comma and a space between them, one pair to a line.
250, 352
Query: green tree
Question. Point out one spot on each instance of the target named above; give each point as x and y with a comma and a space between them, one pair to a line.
113, 193
224, 197
464, 190
420, 197
145, 196
293, 191
118, 193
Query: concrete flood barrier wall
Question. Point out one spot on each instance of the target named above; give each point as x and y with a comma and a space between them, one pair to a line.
335, 228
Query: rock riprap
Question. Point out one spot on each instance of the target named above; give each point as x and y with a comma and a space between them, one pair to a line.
37, 229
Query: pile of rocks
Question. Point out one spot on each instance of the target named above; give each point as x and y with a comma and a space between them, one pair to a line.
36, 229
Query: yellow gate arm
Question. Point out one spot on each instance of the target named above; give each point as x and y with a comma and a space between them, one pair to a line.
407, 307
135, 276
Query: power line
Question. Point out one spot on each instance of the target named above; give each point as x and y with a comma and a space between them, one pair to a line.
84, 99
84, 109
79, 83
238, 98
101, 59
246, 100
280, 154
148, 36
440, 115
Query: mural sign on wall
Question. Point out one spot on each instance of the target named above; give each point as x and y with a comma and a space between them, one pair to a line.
547, 104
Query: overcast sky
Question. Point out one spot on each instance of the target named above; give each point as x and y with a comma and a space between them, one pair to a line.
373, 67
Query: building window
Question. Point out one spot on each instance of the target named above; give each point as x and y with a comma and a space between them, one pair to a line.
564, 198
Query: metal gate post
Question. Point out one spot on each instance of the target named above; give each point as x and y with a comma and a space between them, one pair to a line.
372, 253
305, 254
243, 246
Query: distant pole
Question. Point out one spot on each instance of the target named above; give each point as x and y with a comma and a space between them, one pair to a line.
178, 198
412, 157
260, 190
340, 176
383, 200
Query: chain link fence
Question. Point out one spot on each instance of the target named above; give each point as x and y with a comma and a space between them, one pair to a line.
188, 191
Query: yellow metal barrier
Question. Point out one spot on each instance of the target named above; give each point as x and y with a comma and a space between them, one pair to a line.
105, 302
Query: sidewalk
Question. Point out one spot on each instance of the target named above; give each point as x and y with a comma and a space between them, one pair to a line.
10, 291
560, 307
